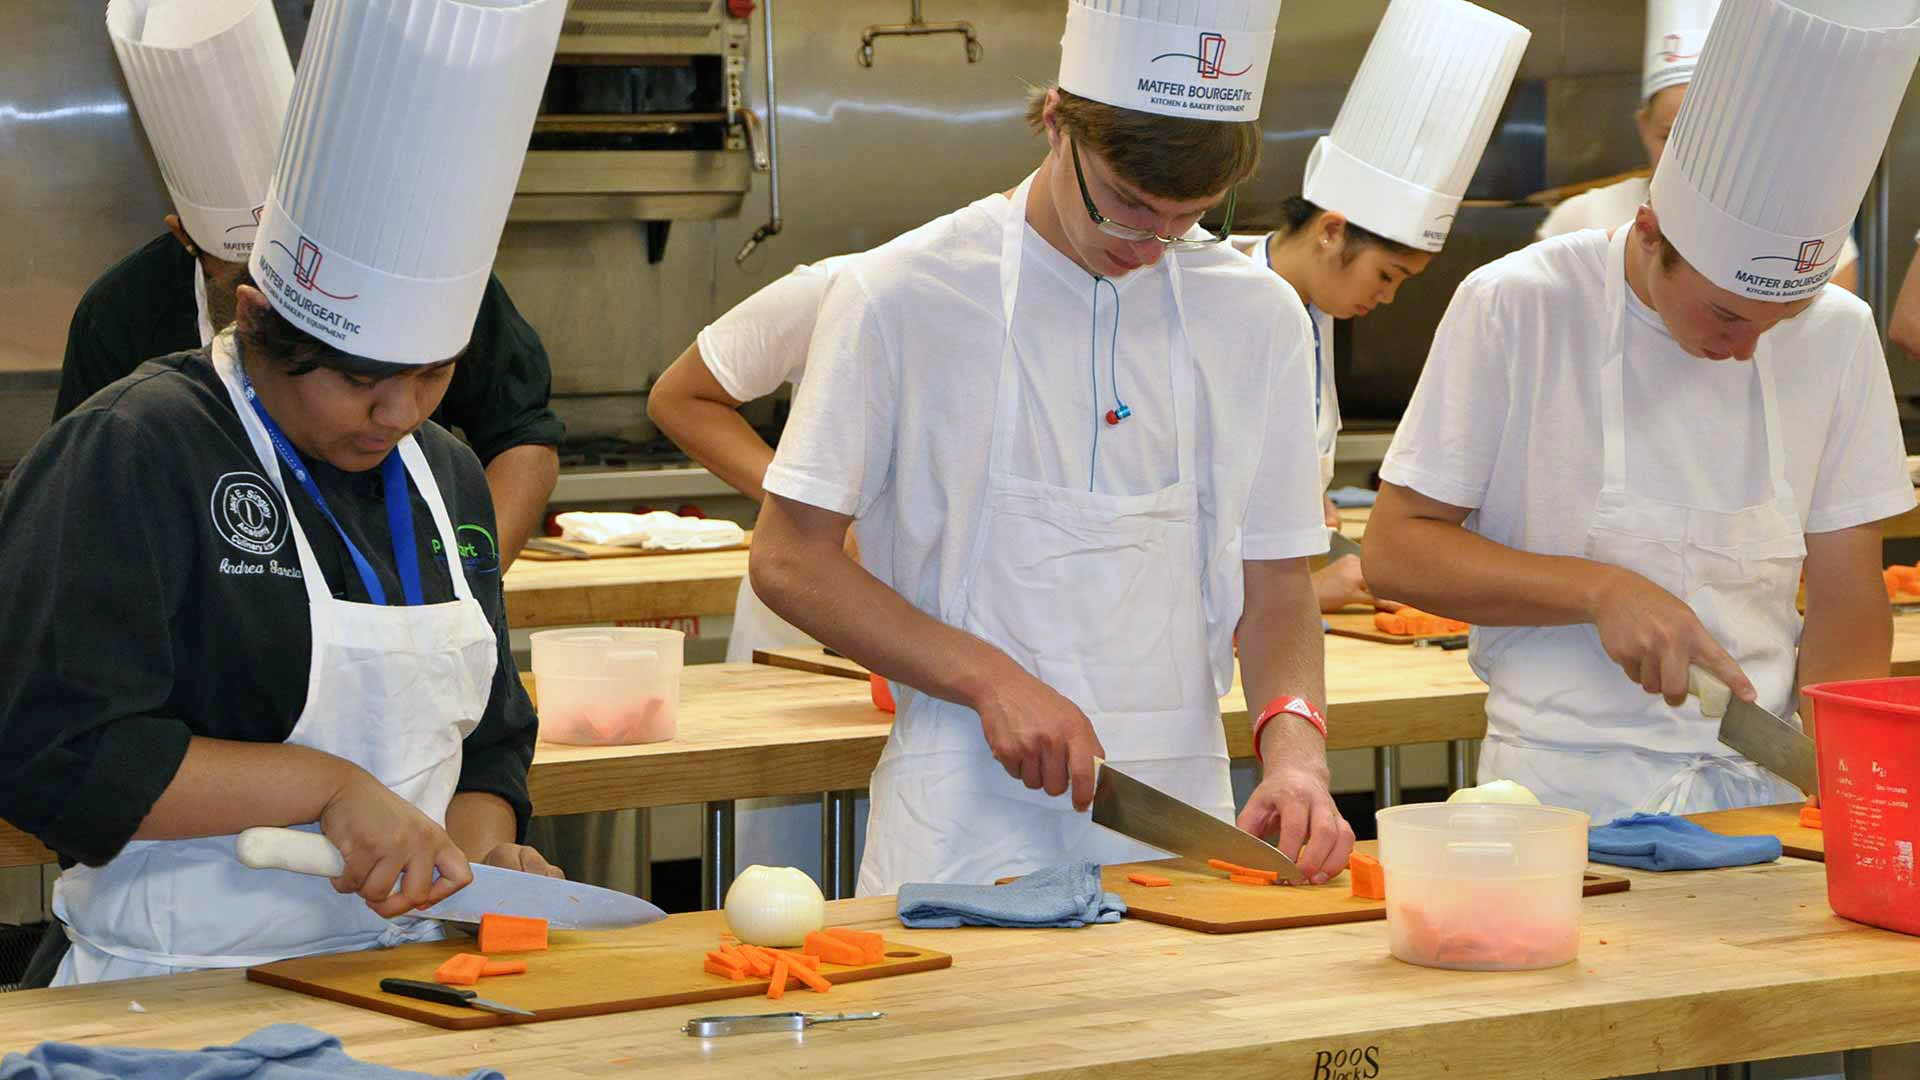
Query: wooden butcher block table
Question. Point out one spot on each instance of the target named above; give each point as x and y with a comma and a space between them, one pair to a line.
1684, 970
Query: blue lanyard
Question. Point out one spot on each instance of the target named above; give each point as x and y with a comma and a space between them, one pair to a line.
393, 476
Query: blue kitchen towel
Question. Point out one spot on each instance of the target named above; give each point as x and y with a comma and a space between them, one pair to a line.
279, 1052
1349, 497
1665, 842
1068, 896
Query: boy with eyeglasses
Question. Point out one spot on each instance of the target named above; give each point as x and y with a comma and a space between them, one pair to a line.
1077, 433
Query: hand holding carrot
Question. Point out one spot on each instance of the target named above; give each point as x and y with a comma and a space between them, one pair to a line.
1293, 801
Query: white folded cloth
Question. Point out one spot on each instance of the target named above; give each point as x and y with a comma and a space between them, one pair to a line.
658, 531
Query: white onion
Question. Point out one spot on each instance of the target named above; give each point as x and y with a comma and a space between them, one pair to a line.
774, 906
1497, 791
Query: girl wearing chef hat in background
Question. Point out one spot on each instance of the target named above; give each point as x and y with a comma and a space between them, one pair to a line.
1381, 190
1676, 30
260, 594
1076, 430
1625, 448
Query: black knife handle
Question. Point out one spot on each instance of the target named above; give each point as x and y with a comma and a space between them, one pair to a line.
439, 993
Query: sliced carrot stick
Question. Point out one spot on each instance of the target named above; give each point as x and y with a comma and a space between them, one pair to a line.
1810, 817
872, 947
724, 971
777, 985
1367, 879
1268, 876
798, 959
462, 970
504, 967
756, 963
831, 949
512, 933
1247, 879
1151, 881
814, 981
727, 961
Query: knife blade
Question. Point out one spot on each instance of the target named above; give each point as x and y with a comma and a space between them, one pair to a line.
556, 547
1339, 544
1756, 733
442, 994
709, 1027
566, 905
1152, 816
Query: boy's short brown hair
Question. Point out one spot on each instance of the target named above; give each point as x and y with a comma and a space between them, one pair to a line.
1169, 157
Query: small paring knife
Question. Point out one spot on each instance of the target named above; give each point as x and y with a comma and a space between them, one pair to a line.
442, 994
710, 1027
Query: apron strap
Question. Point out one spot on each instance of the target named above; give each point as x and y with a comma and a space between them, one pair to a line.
203, 318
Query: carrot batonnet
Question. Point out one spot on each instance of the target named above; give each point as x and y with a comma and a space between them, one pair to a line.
832, 949
462, 970
814, 981
504, 967
1368, 879
724, 971
872, 948
512, 933
1151, 881
1247, 879
1810, 817
777, 985
1268, 877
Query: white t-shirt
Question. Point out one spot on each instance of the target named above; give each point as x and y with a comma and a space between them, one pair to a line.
1605, 207
760, 344
1506, 418
1327, 416
894, 420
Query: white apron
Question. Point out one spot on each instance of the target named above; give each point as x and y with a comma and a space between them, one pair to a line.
756, 627
1563, 719
394, 689
1100, 597
202, 317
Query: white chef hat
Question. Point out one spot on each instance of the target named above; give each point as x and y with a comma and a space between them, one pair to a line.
403, 146
1676, 31
1199, 59
210, 79
1779, 135
1416, 120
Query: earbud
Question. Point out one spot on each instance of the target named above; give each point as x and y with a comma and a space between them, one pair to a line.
1114, 416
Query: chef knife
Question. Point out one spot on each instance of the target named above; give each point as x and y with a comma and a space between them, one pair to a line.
1152, 816
443, 994
1339, 544
555, 547
708, 1027
566, 905
1761, 737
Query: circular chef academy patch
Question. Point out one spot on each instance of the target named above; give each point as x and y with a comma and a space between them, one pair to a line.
245, 513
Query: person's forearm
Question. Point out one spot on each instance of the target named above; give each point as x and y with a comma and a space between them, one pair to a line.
1283, 651
224, 786
1848, 633
521, 479
479, 822
718, 437
813, 584
1439, 566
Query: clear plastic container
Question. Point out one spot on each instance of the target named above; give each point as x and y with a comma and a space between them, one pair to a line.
1483, 886
609, 686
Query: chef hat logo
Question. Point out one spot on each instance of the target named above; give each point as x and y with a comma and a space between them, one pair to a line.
306, 267
1670, 47
1207, 56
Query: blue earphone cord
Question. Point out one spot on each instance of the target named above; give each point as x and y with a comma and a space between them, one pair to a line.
1093, 366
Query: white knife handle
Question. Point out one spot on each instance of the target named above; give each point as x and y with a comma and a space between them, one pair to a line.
1713, 694
289, 849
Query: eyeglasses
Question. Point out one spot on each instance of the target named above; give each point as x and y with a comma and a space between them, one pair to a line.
1128, 232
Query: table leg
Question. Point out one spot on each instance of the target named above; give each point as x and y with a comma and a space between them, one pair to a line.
716, 854
837, 869
643, 854
1884, 1063
1386, 776
1741, 1071
1459, 765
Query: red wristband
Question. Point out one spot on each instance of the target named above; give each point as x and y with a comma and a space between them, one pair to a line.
1290, 704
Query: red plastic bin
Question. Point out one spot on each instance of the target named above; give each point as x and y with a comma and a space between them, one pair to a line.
1868, 738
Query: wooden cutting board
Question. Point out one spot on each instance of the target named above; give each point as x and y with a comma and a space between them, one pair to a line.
1360, 625
612, 551
1796, 841
1202, 898
581, 974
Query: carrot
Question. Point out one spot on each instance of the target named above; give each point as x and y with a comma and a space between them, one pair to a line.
1247, 879
872, 948
881, 693
726, 961
1151, 881
797, 959
504, 967
777, 986
756, 963
814, 981
724, 971
1368, 880
1267, 876
831, 949
1810, 817
462, 970
512, 933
